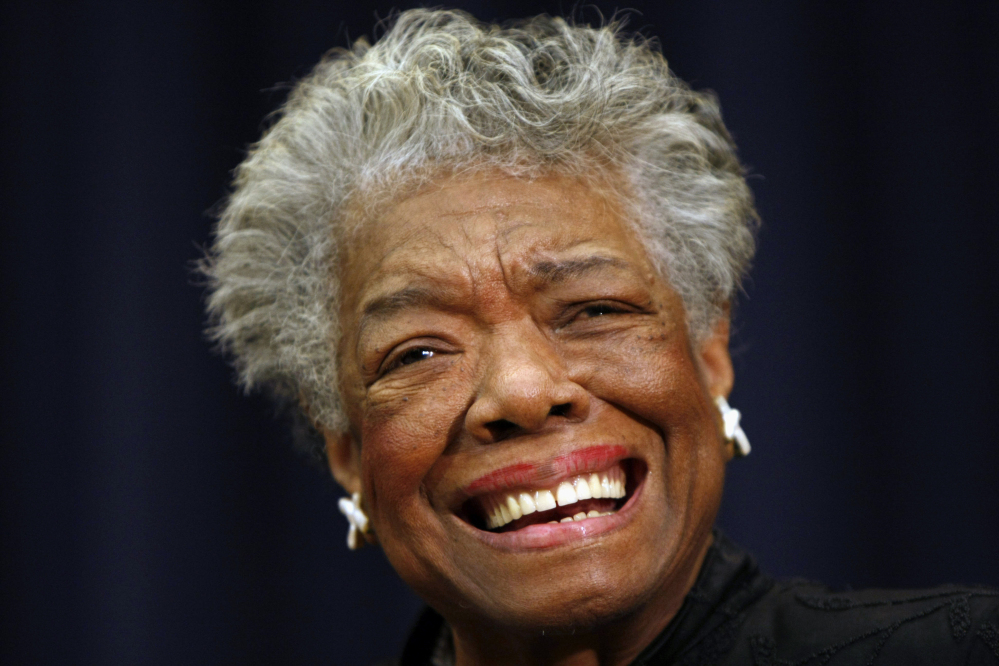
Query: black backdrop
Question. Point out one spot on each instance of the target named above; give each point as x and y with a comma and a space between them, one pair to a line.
152, 514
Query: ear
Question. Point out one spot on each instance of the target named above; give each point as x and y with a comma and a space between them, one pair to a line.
714, 360
344, 458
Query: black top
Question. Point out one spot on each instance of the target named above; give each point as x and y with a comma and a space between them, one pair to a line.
736, 615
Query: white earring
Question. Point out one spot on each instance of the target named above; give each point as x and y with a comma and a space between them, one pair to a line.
351, 508
733, 432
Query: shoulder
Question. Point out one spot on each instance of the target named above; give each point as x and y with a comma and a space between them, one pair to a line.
736, 615
798, 621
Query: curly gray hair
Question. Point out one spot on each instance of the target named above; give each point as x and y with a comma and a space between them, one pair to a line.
442, 91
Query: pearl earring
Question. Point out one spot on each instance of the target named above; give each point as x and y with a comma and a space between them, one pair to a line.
351, 508
733, 431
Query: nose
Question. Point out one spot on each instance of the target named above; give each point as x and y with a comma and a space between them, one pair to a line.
525, 387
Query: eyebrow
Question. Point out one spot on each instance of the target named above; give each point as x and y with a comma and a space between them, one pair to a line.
554, 272
383, 307
417, 296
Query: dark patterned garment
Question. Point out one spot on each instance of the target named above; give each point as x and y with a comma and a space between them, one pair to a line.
736, 615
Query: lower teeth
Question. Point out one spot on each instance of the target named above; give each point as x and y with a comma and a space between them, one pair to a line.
580, 516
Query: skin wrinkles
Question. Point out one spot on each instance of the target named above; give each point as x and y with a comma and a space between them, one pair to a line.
434, 296
527, 295
431, 295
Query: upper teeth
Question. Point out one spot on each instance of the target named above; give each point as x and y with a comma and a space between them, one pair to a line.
506, 508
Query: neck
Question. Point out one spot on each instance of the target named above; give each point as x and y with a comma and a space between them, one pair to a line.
615, 643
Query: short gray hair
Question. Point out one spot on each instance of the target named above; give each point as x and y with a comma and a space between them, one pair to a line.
442, 91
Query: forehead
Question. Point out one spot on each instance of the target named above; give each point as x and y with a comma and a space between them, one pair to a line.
488, 225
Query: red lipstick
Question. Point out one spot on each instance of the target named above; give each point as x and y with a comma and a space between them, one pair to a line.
590, 459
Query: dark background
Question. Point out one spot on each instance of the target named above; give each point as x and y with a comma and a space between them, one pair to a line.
151, 514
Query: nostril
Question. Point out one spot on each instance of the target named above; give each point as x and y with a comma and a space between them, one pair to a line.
501, 429
560, 410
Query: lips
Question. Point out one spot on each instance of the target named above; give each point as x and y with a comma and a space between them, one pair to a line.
580, 487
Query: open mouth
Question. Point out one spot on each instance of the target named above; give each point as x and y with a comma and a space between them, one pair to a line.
573, 499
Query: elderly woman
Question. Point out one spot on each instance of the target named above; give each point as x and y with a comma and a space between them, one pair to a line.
494, 268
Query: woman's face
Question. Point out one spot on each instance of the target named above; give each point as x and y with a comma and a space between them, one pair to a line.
508, 346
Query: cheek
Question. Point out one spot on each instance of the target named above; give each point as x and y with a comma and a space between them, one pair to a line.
652, 378
403, 435
403, 440
648, 374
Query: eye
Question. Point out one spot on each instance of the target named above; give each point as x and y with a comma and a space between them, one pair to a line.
600, 309
596, 315
413, 356
408, 357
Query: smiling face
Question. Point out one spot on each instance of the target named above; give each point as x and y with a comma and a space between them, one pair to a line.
511, 357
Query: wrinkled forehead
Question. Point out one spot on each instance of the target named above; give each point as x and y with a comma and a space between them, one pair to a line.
488, 226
